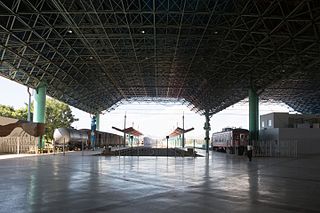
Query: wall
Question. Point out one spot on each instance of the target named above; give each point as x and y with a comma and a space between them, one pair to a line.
269, 134
305, 139
265, 119
281, 120
278, 120
15, 139
308, 139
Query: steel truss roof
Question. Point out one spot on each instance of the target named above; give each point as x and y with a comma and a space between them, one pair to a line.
94, 53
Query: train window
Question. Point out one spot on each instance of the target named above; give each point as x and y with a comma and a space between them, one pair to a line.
269, 123
262, 123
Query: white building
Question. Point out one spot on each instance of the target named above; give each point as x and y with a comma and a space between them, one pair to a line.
296, 131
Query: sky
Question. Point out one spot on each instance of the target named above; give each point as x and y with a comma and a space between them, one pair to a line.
152, 119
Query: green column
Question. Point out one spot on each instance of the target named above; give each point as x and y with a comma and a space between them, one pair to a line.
98, 122
253, 116
39, 110
207, 128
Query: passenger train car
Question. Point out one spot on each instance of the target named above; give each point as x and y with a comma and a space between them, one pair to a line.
73, 138
230, 140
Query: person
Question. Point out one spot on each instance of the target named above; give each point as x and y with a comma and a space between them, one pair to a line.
249, 152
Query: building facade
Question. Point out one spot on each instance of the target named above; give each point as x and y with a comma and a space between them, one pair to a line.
297, 132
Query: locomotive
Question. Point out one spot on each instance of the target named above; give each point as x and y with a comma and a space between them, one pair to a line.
73, 138
230, 140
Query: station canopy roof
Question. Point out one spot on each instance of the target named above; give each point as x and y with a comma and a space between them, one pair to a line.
96, 54
179, 131
130, 131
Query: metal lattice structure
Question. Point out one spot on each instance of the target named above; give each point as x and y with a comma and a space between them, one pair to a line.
94, 53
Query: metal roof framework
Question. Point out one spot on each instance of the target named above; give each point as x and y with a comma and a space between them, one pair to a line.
93, 54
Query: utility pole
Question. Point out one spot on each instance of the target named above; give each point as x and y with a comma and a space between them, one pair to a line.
124, 128
183, 130
167, 137
29, 105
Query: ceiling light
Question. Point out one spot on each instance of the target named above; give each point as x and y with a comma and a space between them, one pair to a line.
90, 57
70, 31
143, 32
216, 32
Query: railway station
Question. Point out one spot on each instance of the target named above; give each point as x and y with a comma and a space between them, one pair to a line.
207, 55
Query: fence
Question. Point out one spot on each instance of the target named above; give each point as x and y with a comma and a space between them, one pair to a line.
198, 143
283, 148
19, 144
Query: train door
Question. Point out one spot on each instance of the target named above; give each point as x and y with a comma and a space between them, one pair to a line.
237, 149
242, 139
242, 143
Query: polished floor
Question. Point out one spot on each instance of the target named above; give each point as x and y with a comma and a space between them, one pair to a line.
220, 183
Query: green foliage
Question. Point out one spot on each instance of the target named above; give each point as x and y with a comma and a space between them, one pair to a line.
58, 115
22, 113
7, 111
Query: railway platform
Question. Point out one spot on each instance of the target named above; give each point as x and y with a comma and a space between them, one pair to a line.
218, 183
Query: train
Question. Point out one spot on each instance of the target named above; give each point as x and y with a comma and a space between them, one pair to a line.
70, 138
150, 142
230, 140
104, 139
73, 138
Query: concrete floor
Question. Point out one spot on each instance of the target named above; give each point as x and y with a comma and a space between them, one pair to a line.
221, 183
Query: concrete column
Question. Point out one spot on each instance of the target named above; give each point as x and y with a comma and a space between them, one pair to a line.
39, 104
98, 122
207, 128
39, 110
253, 116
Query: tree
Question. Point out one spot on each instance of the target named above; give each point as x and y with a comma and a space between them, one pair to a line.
22, 113
7, 111
58, 115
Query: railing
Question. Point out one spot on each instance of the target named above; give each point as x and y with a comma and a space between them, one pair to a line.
17, 145
283, 148
197, 143
140, 151
179, 152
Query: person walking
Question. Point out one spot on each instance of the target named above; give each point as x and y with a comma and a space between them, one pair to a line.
249, 152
